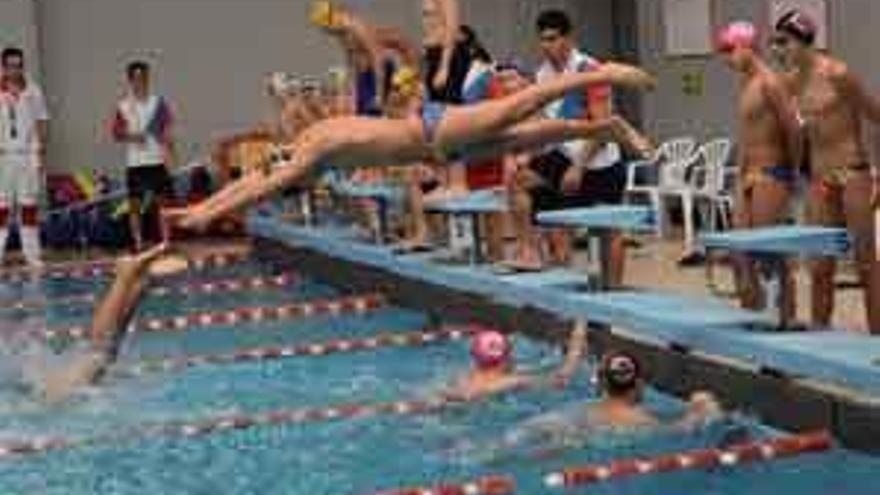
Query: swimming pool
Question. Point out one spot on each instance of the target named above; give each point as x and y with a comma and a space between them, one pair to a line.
125, 445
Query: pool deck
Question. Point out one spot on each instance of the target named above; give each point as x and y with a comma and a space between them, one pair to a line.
795, 380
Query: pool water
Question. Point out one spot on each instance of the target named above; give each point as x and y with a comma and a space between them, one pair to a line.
122, 453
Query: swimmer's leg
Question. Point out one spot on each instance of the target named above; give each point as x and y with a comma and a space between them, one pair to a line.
860, 223
116, 308
483, 121
745, 273
825, 208
111, 317
770, 206
536, 134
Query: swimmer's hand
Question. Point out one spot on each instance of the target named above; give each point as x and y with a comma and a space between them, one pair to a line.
628, 75
136, 265
61, 384
441, 78
703, 407
188, 218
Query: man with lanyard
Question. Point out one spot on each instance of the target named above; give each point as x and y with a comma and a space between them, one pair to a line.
143, 123
578, 173
24, 124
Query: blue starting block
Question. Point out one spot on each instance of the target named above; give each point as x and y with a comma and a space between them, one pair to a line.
601, 222
478, 203
773, 245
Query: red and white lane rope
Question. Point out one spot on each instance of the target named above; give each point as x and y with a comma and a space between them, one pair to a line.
244, 421
316, 349
750, 452
489, 485
184, 288
333, 307
105, 267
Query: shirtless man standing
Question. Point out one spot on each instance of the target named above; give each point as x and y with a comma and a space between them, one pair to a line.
768, 142
833, 103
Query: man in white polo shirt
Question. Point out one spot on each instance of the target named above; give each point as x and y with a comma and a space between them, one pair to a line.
24, 124
143, 123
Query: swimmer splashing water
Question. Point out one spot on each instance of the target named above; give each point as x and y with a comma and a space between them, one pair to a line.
110, 321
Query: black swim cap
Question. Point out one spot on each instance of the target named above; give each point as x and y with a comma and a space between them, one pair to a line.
798, 25
619, 373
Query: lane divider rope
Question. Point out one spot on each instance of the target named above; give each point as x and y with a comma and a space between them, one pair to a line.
748, 452
315, 349
258, 314
488, 485
185, 288
744, 453
242, 421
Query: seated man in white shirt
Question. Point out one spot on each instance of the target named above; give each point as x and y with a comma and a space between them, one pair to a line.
578, 173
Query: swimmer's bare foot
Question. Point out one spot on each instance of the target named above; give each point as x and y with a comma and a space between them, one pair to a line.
131, 266
191, 218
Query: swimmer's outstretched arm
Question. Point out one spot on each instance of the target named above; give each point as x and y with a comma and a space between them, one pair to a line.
852, 87
359, 39
394, 40
109, 322
575, 352
116, 308
786, 114
449, 11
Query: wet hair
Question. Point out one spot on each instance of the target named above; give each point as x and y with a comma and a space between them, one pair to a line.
798, 25
473, 45
11, 52
554, 19
136, 66
619, 374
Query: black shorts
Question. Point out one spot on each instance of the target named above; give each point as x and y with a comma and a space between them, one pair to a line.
459, 67
599, 187
148, 180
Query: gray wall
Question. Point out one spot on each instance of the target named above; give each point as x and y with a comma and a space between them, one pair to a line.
18, 28
669, 112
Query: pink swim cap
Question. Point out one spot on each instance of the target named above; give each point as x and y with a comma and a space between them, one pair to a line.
739, 34
490, 349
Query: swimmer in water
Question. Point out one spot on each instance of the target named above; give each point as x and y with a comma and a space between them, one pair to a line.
620, 409
423, 131
110, 321
494, 372
622, 384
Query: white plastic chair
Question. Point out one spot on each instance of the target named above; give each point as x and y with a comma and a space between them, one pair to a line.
647, 177
693, 179
714, 181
